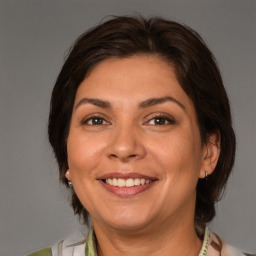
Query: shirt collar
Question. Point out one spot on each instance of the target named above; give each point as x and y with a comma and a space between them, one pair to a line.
90, 248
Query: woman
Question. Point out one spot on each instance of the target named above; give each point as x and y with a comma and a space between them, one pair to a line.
141, 128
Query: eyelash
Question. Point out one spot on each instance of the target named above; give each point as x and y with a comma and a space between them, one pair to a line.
91, 118
170, 120
167, 120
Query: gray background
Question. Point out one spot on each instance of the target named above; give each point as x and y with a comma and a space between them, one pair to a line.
34, 37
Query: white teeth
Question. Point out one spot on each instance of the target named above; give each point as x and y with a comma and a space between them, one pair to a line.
137, 182
127, 183
121, 183
114, 182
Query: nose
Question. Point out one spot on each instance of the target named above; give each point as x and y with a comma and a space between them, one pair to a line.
126, 144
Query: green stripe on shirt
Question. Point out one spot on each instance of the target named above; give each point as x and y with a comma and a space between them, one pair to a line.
43, 252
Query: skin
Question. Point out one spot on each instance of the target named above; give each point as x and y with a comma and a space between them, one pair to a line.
160, 141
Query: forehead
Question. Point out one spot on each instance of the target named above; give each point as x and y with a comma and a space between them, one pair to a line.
135, 79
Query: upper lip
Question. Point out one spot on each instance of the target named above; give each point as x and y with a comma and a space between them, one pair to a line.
120, 175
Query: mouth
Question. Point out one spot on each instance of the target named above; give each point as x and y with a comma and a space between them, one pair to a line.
126, 185
131, 182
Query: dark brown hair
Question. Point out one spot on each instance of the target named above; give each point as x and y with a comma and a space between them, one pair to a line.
196, 71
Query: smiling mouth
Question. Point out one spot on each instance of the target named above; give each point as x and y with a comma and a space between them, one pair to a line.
126, 184
131, 182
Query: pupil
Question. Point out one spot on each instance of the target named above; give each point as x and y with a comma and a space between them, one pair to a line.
159, 121
97, 121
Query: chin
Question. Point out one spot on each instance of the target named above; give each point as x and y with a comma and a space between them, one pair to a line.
128, 221
128, 225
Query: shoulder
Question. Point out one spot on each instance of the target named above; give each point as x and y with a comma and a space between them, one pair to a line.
219, 247
72, 245
43, 252
229, 250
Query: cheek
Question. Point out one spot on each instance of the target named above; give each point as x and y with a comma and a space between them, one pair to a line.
83, 159
178, 154
83, 152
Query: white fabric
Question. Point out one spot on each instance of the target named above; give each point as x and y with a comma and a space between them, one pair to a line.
227, 250
68, 247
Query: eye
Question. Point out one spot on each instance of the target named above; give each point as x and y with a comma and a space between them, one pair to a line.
161, 120
94, 120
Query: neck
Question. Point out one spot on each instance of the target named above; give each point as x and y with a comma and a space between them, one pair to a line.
166, 239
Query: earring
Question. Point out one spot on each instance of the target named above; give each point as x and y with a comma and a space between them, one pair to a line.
70, 183
206, 175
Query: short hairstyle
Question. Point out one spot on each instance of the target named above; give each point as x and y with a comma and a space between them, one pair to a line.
196, 71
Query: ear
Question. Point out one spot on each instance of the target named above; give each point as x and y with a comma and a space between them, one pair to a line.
68, 176
211, 153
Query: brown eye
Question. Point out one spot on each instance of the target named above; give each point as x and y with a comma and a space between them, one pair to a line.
95, 121
160, 120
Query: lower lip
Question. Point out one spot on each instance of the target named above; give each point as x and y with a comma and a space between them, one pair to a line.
126, 191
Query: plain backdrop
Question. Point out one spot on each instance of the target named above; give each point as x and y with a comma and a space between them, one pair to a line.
35, 35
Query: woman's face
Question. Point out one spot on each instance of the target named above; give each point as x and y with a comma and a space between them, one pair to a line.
134, 148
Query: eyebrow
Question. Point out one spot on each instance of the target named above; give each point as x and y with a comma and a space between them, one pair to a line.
154, 101
95, 102
144, 104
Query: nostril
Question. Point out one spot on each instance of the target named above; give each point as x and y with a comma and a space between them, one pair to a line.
113, 156
123, 156
125, 152
132, 156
